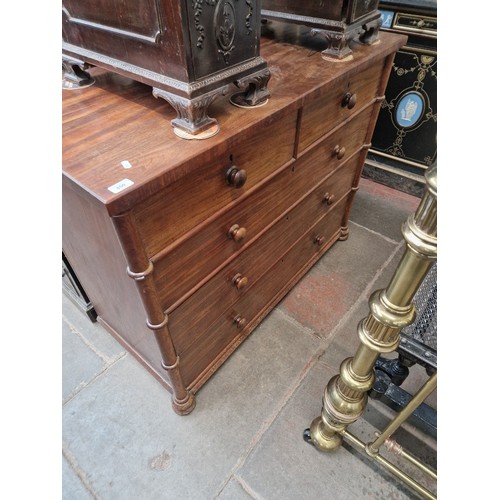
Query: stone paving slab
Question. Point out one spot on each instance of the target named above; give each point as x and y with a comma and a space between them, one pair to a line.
235, 491
96, 336
382, 209
72, 486
122, 440
345, 337
283, 466
326, 293
80, 364
129, 443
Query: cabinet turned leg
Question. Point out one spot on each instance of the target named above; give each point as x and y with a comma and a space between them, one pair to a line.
74, 75
192, 120
255, 91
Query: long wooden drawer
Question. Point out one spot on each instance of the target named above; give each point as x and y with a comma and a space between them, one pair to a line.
216, 344
172, 212
209, 247
334, 106
193, 316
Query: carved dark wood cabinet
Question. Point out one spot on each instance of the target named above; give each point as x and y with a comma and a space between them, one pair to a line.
339, 21
189, 52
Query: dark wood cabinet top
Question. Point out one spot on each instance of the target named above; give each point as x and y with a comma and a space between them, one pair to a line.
117, 123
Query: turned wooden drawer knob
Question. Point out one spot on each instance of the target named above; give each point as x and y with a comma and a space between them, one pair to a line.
328, 198
349, 100
236, 177
237, 233
240, 321
338, 152
319, 240
240, 281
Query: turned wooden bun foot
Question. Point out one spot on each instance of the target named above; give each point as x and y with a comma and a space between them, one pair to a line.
184, 407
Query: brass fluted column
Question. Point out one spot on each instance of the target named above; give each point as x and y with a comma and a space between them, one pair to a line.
391, 310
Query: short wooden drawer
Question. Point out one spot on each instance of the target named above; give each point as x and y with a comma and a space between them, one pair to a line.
172, 212
343, 142
192, 317
339, 102
202, 357
188, 263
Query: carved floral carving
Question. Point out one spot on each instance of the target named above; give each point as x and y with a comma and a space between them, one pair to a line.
225, 28
224, 21
198, 10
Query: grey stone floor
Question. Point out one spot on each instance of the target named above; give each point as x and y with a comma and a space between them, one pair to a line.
121, 440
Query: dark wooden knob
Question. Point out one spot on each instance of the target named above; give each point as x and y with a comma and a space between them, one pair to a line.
338, 152
236, 177
349, 100
328, 198
237, 233
319, 240
240, 321
240, 281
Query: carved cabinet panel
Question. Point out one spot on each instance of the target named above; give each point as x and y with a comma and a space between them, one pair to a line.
132, 18
190, 52
338, 21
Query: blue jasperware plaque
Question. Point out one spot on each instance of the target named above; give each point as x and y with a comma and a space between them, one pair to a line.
409, 110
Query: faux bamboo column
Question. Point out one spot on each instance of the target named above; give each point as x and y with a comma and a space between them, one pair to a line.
391, 310
141, 269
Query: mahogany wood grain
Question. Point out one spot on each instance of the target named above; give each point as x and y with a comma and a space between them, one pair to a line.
255, 212
205, 356
93, 250
192, 317
327, 111
171, 234
168, 215
208, 247
386, 69
118, 119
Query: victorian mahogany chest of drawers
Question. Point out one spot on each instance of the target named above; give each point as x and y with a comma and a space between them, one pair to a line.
184, 246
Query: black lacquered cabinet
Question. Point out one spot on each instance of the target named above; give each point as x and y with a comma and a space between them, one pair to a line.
404, 142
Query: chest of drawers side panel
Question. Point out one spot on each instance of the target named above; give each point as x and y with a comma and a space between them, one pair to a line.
93, 249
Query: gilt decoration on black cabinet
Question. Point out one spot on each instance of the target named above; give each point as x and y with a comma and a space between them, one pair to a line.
189, 52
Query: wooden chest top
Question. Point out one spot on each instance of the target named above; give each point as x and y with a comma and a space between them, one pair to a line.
128, 127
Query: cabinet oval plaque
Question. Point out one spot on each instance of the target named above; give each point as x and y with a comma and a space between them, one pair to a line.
409, 109
225, 26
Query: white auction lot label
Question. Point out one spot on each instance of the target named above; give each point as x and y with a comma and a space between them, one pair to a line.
120, 186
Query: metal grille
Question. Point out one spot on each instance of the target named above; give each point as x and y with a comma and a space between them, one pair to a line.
424, 328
